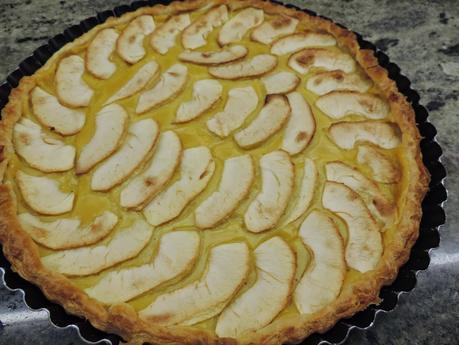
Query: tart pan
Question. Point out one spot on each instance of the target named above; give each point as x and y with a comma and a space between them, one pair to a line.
432, 206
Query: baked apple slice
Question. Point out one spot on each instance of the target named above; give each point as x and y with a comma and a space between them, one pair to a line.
306, 59
55, 116
71, 89
277, 175
196, 170
125, 244
249, 68
237, 177
227, 270
130, 43
214, 57
235, 29
177, 252
41, 151
141, 137
301, 40
98, 54
43, 194
281, 82
383, 169
280, 26
164, 37
67, 233
325, 82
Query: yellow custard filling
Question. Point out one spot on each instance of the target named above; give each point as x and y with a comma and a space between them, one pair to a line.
89, 204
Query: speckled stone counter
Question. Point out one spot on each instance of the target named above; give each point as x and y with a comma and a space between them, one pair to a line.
422, 37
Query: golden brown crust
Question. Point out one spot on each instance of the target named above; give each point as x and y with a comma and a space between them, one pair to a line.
23, 254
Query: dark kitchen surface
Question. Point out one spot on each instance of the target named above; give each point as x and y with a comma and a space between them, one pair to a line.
422, 37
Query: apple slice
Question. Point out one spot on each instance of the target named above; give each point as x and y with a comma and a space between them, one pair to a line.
206, 93
195, 35
277, 174
236, 28
237, 177
197, 167
54, 115
159, 171
40, 150
67, 233
322, 282
124, 245
301, 125
270, 120
330, 60
280, 26
306, 192
250, 68
147, 72
71, 89
347, 134
240, 104
338, 104
383, 169
130, 43
170, 84
43, 195
326, 82
214, 57
281, 82
164, 37
98, 54
264, 300
380, 205
139, 142
364, 245
300, 40
228, 266
111, 122
177, 252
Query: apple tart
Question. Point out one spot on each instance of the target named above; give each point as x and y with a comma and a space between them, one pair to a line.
212, 172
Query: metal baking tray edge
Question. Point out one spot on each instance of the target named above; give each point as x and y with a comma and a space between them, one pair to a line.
433, 212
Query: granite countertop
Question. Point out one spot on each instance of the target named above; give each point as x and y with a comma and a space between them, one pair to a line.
422, 37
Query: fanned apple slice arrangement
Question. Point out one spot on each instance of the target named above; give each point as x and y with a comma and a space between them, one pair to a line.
309, 149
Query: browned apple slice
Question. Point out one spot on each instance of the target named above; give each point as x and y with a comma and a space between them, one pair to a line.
300, 126
280, 26
40, 150
338, 104
236, 28
326, 82
383, 169
237, 177
206, 93
324, 276
67, 233
164, 37
346, 135
214, 57
177, 252
364, 245
250, 68
277, 175
170, 84
270, 120
240, 104
98, 54
71, 89
195, 35
139, 142
130, 43
300, 40
43, 195
265, 299
380, 205
159, 171
197, 167
281, 82
147, 72
306, 191
327, 59
111, 123
54, 115
83, 261
227, 269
